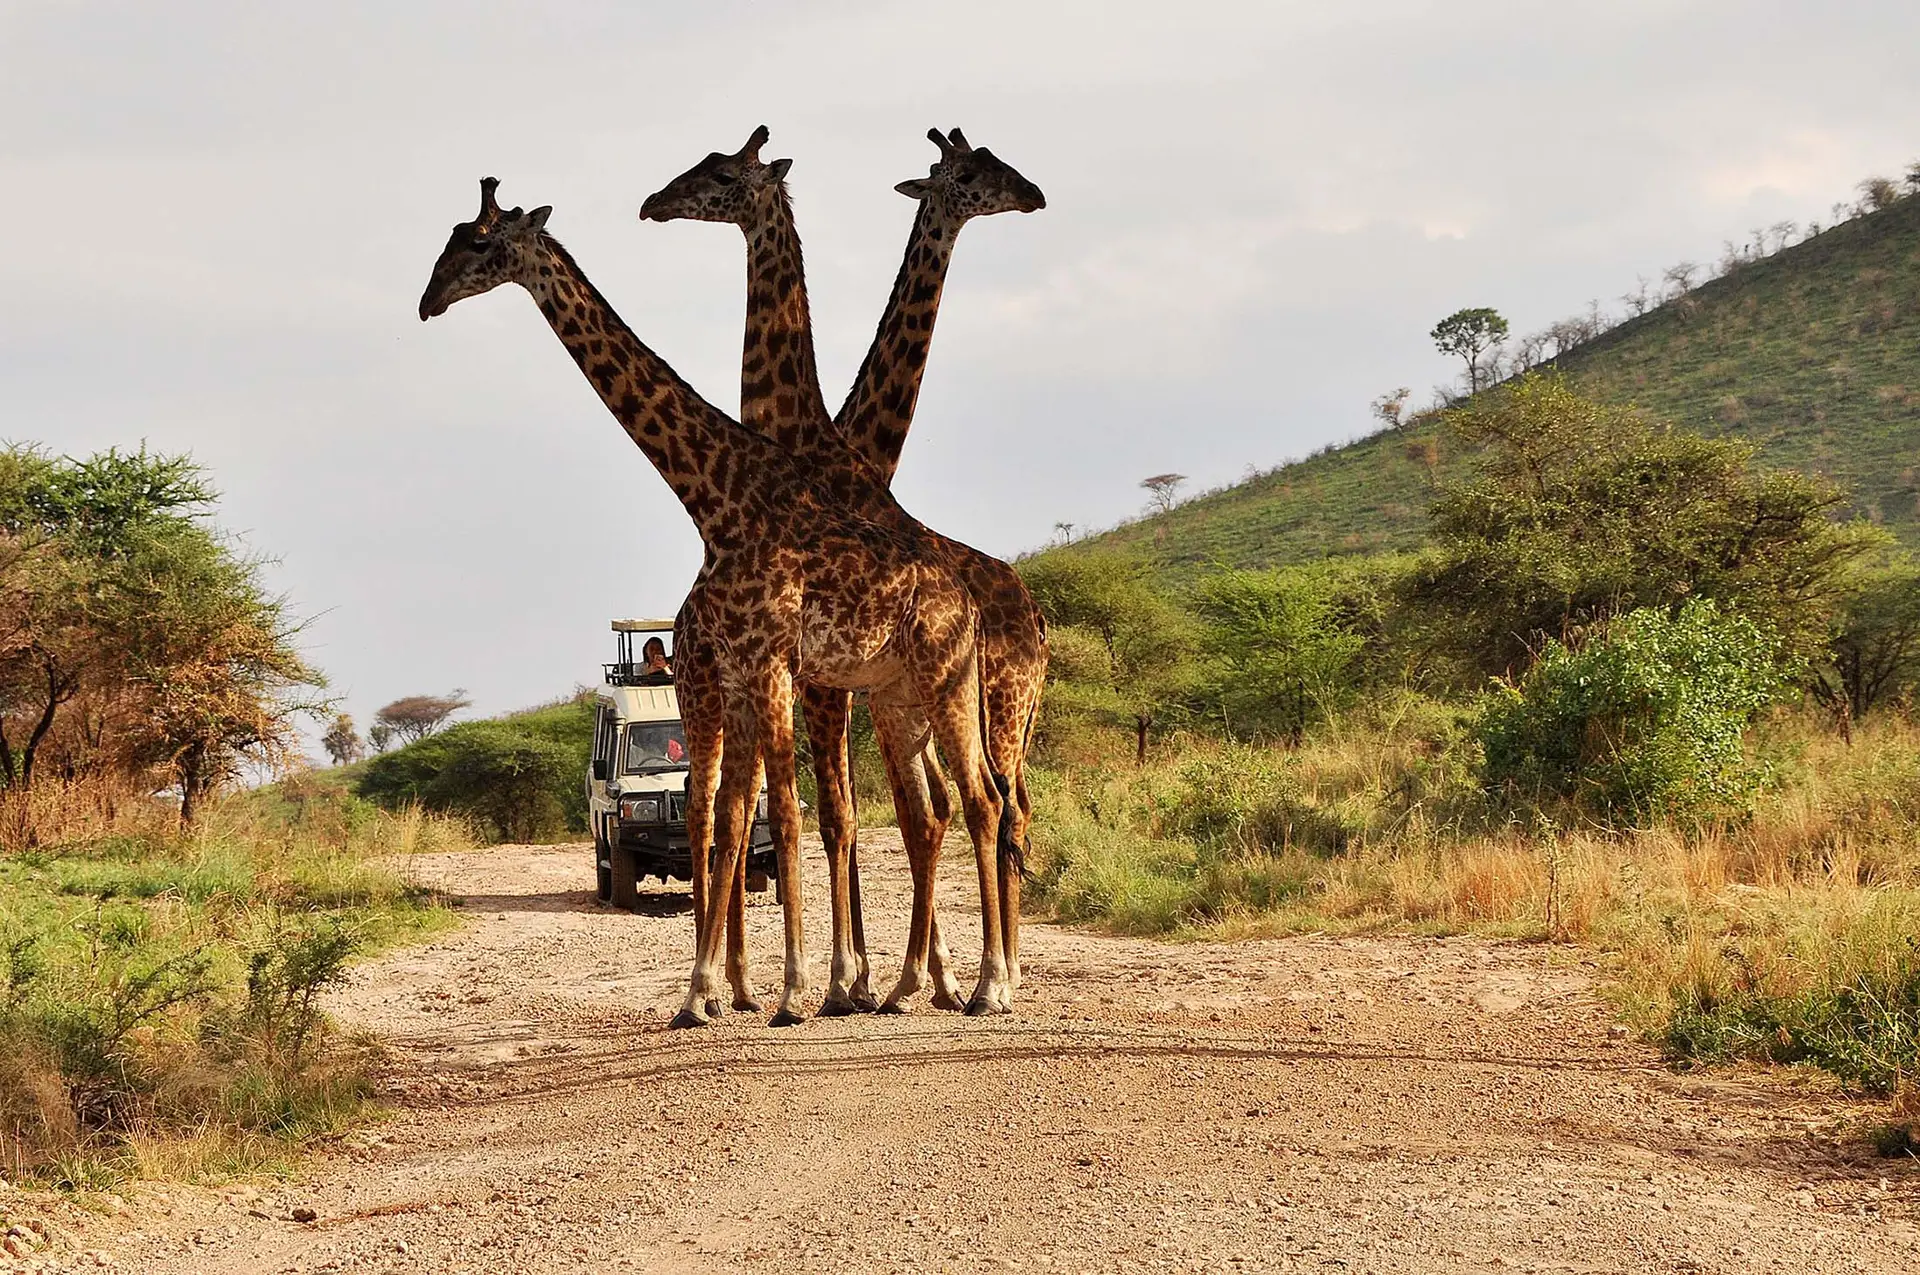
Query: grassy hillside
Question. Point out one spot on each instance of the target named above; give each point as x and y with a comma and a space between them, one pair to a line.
1812, 353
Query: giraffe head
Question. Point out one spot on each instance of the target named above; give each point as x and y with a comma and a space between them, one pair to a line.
494, 248
965, 183
740, 188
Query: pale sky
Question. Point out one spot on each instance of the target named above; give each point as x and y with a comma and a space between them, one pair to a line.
218, 219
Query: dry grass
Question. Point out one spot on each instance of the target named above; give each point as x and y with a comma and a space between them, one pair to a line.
1788, 935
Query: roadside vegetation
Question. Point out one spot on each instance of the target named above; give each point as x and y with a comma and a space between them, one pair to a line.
159, 987
164, 938
1634, 690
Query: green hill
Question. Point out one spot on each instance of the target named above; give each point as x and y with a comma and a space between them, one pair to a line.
1813, 354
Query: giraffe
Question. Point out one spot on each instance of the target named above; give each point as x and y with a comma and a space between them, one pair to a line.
793, 587
778, 377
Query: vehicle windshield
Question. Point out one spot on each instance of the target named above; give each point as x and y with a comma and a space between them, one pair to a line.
654, 746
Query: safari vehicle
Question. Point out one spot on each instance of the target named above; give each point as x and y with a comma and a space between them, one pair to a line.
637, 780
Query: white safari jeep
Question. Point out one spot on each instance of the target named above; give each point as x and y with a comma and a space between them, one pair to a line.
637, 780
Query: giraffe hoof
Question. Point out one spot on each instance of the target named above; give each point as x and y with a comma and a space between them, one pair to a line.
979, 1007
838, 1009
948, 1001
890, 1007
684, 1019
748, 1005
866, 1003
785, 1018
714, 1008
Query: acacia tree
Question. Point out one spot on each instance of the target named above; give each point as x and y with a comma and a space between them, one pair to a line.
1282, 647
343, 742
1390, 409
1135, 643
415, 717
1469, 335
1581, 511
1877, 193
1876, 644
135, 641
1161, 488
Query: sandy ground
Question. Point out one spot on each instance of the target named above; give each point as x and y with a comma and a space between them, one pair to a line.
1308, 1104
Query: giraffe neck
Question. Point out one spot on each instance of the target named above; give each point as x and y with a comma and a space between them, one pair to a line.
779, 381
730, 480
879, 408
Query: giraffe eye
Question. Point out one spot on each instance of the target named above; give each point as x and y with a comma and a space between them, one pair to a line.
968, 179
723, 179
479, 245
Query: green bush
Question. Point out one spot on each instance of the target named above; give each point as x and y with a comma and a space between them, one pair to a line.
521, 777
1284, 648
1645, 719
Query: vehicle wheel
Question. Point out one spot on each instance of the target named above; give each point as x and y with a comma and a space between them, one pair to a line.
757, 883
625, 883
602, 872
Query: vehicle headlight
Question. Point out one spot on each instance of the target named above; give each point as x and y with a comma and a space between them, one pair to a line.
645, 808
760, 807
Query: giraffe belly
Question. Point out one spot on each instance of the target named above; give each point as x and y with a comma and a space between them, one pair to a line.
849, 667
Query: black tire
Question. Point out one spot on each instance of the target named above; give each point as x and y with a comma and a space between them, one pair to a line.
602, 872
625, 871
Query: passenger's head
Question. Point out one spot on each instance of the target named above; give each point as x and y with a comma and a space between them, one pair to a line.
654, 652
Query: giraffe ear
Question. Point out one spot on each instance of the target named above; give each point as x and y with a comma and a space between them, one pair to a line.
915, 188
779, 169
537, 219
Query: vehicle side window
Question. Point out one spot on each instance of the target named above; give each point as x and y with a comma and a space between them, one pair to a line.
654, 746
603, 734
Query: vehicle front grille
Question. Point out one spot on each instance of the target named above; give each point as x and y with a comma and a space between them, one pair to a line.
676, 807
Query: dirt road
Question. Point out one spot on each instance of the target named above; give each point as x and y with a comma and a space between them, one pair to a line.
1350, 1105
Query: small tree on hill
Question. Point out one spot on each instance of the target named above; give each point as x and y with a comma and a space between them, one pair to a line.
1390, 409
343, 742
1468, 335
418, 716
1877, 193
380, 737
1161, 489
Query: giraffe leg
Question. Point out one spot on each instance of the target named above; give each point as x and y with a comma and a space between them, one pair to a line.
902, 731
826, 712
773, 703
863, 998
946, 985
737, 976
1007, 719
738, 767
701, 714
946, 671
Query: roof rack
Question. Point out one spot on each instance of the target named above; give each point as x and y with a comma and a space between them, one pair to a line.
625, 670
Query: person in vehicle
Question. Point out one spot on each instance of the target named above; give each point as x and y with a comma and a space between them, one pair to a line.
653, 746
655, 668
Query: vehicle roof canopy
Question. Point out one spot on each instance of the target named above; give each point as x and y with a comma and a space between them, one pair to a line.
643, 626
641, 703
